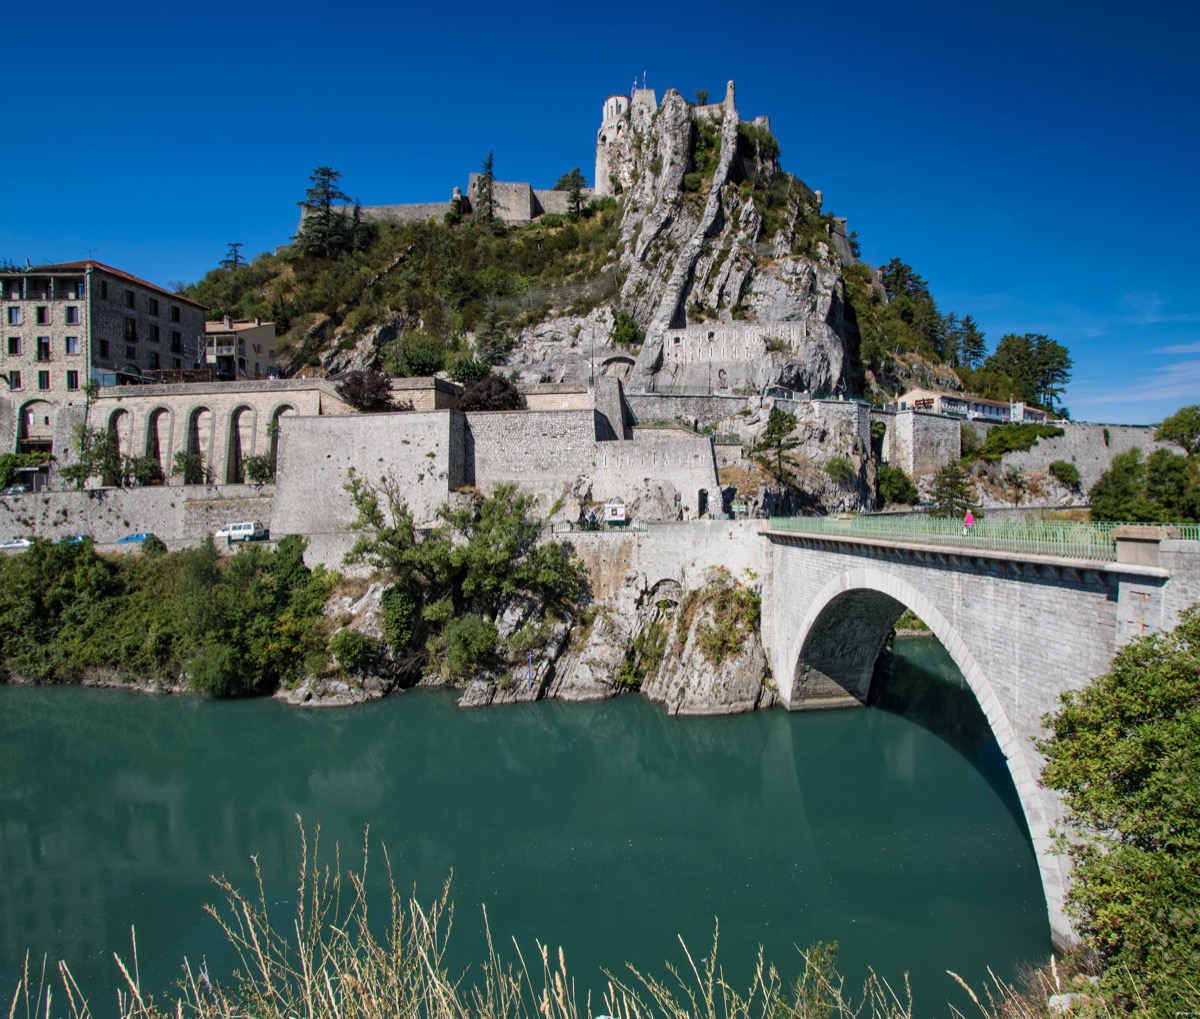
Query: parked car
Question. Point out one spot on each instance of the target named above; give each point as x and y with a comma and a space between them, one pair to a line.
14, 490
139, 536
15, 544
244, 530
74, 539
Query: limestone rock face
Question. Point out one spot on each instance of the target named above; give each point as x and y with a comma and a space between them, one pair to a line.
688, 683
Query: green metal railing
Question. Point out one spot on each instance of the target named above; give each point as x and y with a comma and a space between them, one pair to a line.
1064, 539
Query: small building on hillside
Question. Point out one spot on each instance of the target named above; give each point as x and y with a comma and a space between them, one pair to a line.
971, 408
241, 350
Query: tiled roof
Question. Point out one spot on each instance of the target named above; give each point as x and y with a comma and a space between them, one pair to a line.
91, 263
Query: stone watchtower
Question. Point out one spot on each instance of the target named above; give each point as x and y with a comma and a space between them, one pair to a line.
613, 125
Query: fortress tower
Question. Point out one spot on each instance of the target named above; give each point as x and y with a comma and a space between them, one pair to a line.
613, 124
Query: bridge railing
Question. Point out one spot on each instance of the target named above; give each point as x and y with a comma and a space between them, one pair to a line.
1060, 538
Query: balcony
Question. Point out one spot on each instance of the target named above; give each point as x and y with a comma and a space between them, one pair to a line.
215, 350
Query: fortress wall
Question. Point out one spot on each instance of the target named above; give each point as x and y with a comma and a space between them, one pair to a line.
541, 451
727, 341
420, 451
426, 394
557, 396
623, 468
177, 515
706, 411
415, 213
1084, 445
919, 443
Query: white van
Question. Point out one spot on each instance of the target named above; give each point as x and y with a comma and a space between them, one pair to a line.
245, 530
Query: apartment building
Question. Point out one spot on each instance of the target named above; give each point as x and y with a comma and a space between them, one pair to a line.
973, 408
241, 350
65, 324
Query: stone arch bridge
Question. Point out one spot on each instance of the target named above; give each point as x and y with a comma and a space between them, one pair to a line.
1022, 628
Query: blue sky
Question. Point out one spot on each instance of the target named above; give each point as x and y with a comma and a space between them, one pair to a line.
1036, 163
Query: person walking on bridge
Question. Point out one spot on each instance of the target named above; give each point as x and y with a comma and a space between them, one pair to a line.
968, 523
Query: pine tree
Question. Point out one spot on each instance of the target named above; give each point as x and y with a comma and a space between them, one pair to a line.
485, 190
951, 492
773, 449
233, 257
972, 348
323, 229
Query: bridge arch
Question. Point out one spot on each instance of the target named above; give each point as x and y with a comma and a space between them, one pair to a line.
241, 442
833, 654
159, 425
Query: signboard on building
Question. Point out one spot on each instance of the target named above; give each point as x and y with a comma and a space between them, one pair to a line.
614, 513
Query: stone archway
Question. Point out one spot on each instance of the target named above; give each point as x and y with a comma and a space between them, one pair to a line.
619, 367
120, 425
241, 443
158, 438
35, 427
198, 446
833, 652
277, 415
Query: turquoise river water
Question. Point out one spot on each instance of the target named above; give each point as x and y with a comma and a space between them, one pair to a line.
608, 829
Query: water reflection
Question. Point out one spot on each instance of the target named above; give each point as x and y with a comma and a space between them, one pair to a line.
606, 828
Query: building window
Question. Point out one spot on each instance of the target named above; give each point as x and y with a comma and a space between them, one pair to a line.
154, 334
42, 315
14, 316
130, 352
153, 359
72, 315
176, 341
130, 330
14, 380
43, 380
152, 305
14, 346
175, 362
79, 291
72, 380
71, 345
43, 348
104, 289
129, 299
104, 348
174, 313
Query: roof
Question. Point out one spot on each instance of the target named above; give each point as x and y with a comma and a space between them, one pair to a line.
233, 327
964, 397
91, 263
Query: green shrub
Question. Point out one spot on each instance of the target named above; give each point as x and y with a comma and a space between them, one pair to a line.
840, 470
467, 369
1003, 439
625, 331
692, 181
895, 486
471, 644
970, 440
353, 651
1065, 472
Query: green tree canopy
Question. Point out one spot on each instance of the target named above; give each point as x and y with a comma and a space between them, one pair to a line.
324, 230
1124, 752
773, 450
1038, 367
951, 493
1160, 489
1183, 429
573, 182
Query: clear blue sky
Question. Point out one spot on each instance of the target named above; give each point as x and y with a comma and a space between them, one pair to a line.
1036, 163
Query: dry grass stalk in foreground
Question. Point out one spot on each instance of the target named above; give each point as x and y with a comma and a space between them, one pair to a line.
329, 963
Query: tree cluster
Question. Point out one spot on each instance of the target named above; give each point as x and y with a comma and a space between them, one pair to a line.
1124, 752
1161, 488
452, 581
237, 625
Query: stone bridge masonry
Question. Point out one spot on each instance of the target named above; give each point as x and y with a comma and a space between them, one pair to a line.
1021, 628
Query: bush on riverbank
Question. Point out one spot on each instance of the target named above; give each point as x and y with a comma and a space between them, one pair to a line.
456, 586
233, 625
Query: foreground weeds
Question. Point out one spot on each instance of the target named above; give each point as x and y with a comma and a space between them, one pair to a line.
336, 959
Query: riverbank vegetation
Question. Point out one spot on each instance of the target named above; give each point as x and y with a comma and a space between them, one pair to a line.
1124, 753
224, 626
470, 595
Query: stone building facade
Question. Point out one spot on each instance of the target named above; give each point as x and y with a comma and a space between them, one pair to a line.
72, 323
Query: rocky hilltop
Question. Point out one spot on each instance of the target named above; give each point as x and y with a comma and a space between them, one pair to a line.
726, 265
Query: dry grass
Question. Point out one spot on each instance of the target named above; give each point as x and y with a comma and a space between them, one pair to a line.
336, 960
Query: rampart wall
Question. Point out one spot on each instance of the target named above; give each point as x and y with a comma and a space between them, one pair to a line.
1089, 447
541, 451
728, 341
179, 516
919, 443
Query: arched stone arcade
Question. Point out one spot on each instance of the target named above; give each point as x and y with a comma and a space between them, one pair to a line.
241, 442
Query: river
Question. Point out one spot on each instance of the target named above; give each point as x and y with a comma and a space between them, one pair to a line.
608, 829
